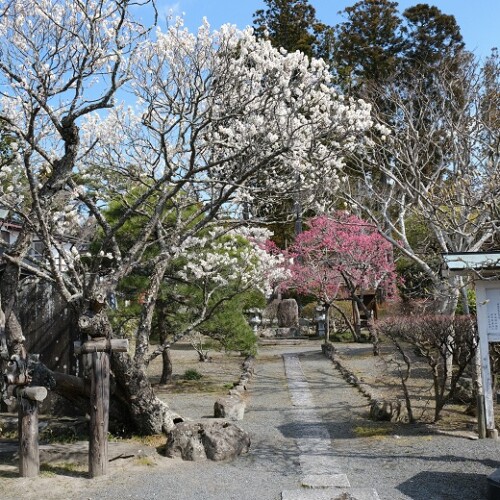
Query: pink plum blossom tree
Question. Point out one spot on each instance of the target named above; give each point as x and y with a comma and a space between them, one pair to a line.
342, 257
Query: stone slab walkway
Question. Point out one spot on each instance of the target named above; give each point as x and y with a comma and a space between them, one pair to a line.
321, 469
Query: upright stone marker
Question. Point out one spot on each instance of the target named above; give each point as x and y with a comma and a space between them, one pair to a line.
288, 313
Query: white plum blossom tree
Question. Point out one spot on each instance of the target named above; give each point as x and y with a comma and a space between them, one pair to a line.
216, 269
207, 122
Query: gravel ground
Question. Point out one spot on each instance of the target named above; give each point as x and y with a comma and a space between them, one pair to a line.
407, 463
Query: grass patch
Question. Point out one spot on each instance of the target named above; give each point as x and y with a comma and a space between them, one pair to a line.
61, 436
62, 468
153, 441
145, 461
342, 337
47, 473
371, 431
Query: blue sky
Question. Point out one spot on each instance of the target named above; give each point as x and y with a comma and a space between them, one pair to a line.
479, 20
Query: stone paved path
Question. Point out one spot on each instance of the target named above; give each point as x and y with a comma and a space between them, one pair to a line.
321, 469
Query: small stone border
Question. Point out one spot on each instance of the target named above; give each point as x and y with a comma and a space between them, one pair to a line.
232, 406
381, 409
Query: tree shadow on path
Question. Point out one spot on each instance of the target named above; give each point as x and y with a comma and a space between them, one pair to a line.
428, 485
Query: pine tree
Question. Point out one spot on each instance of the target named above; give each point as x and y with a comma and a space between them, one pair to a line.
431, 37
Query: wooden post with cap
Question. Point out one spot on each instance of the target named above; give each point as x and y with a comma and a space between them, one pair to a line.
29, 454
17, 379
99, 349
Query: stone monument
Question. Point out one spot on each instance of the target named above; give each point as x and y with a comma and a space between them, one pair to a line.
288, 318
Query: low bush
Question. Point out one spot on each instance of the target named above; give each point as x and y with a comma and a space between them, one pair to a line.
447, 343
192, 374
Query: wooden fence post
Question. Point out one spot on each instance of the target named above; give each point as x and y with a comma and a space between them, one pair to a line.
29, 456
99, 348
99, 415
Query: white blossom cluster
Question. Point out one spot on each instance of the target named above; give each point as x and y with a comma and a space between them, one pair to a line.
227, 115
57, 58
48, 38
235, 258
209, 121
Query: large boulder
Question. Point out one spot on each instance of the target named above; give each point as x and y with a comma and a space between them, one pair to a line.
464, 392
213, 440
385, 410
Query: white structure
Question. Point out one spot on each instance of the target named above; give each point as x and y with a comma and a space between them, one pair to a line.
484, 267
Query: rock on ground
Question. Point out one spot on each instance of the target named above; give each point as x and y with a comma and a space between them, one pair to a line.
213, 440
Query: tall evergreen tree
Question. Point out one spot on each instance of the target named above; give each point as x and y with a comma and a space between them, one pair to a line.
292, 25
368, 44
376, 44
431, 36
432, 62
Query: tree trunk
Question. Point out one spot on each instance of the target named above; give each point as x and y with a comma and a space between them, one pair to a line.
134, 405
356, 318
447, 294
148, 414
370, 323
327, 323
373, 333
355, 336
143, 412
8, 293
166, 355
166, 374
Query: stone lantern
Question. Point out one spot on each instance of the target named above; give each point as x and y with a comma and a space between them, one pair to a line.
254, 318
320, 319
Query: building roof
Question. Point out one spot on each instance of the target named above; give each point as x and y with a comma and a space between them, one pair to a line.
483, 263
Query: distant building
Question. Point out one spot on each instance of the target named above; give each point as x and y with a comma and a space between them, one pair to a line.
10, 230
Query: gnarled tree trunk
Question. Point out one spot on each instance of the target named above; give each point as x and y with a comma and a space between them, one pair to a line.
148, 414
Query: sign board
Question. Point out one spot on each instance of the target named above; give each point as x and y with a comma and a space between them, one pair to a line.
492, 298
480, 266
488, 326
488, 302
